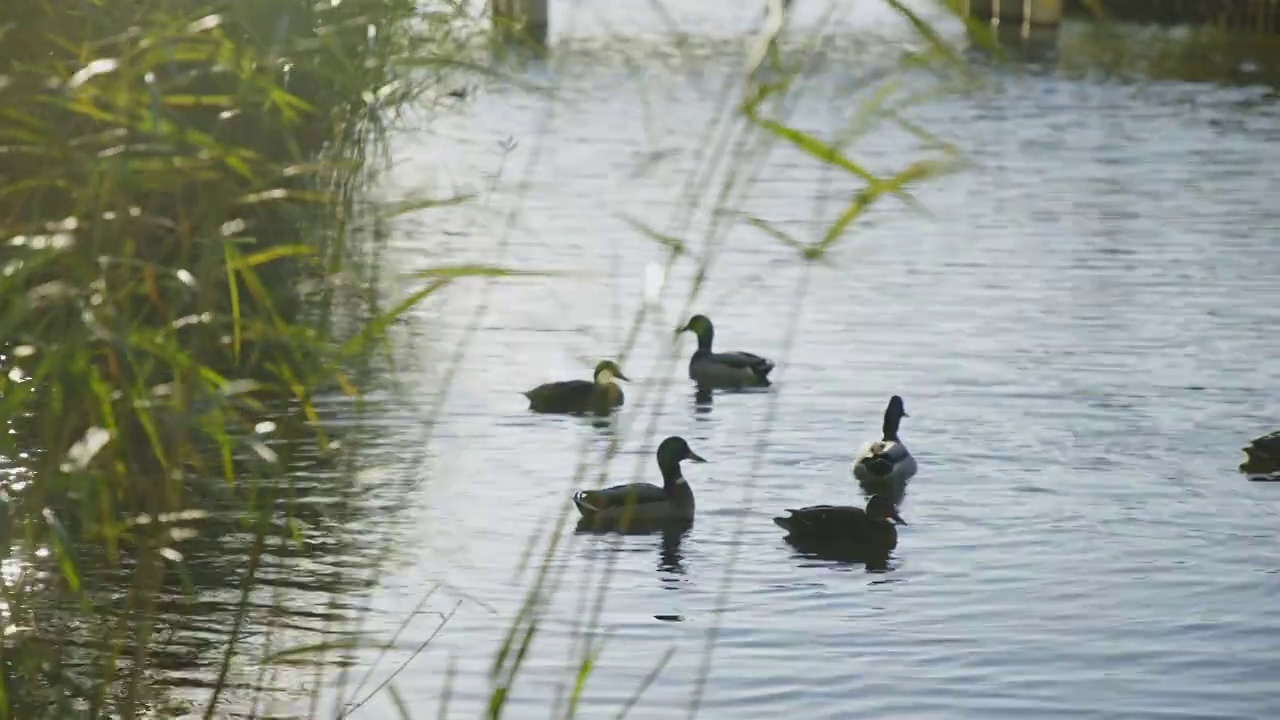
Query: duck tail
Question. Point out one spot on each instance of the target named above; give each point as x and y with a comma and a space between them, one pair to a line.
763, 369
1259, 463
584, 506
782, 522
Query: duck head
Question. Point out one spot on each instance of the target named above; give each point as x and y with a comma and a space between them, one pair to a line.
671, 452
675, 450
701, 326
880, 507
606, 371
893, 415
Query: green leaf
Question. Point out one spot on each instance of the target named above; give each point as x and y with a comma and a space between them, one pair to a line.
408, 205
62, 548
457, 272
275, 253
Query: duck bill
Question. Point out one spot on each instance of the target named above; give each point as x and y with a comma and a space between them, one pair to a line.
681, 329
696, 457
620, 376
898, 519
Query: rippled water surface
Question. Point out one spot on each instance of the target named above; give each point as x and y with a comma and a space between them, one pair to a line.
1082, 324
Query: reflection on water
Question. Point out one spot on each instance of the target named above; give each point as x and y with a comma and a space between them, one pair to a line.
669, 535
875, 560
315, 521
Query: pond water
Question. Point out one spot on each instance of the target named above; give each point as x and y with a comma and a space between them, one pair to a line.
1082, 324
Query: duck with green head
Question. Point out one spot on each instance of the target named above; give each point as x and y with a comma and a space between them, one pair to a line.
644, 503
844, 525
886, 459
726, 370
598, 396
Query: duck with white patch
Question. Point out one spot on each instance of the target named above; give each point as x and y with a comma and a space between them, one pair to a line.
728, 370
625, 506
886, 460
598, 396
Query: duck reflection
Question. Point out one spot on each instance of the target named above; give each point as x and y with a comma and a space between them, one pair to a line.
670, 559
702, 401
876, 560
895, 490
670, 533
605, 427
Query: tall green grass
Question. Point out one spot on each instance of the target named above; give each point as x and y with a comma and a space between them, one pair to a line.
186, 264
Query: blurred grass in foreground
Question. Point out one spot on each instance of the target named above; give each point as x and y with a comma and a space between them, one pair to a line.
186, 265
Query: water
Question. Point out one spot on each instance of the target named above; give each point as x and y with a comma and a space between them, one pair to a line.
1082, 326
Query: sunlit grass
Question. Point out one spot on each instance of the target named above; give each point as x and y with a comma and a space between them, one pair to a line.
186, 268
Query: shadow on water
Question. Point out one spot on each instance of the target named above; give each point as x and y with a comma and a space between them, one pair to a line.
1024, 44
1247, 17
1136, 53
876, 560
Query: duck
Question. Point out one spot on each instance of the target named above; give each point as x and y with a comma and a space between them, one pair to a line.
1262, 458
598, 396
728, 370
844, 525
645, 503
886, 459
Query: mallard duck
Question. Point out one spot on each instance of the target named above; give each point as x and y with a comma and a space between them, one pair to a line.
1262, 458
733, 370
844, 525
599, 396
887, 459
645, 503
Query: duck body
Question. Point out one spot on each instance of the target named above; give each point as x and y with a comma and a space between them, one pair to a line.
726, 370
580, 397
641, 504
1262, 458
731, 370
882, 461
844, 526
886, 460
575, 397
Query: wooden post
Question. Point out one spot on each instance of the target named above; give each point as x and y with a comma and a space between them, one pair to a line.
1031, 12
524, 20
